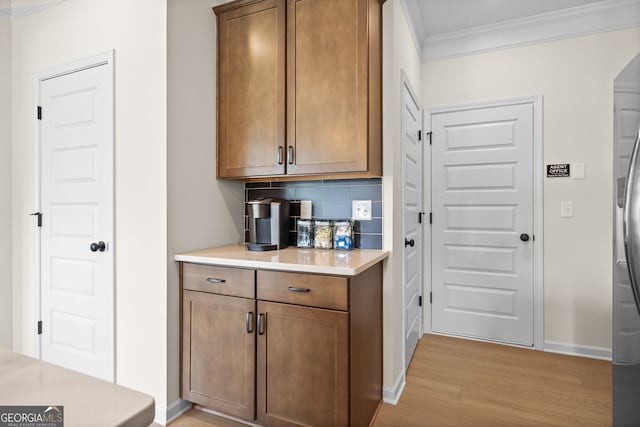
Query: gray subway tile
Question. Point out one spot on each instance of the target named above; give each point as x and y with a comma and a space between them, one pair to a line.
370, 241
337, 210
323, 193
373, 226
367, 192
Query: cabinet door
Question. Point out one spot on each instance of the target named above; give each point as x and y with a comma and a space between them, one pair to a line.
327, 86
218, 353
303, 373
251, 90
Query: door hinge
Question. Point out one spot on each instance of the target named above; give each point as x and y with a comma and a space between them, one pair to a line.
429, 133
39, 112
39, 215
39, 327
430, 297
420, 301
419, 135
420, 217
430, 217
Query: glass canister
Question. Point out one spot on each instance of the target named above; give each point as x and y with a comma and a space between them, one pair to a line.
305, 233
343, 235
323, 238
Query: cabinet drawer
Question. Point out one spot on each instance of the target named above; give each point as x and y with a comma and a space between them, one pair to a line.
236, 282
303, 289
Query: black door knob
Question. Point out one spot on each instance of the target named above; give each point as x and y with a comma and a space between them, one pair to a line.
407, 242
100, 246
524, 237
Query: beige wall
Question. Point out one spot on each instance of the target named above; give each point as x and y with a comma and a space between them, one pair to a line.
399, 53
202, 212
575, 76
5, 183
72, 30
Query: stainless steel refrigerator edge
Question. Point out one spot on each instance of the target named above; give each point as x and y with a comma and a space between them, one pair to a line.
626, 247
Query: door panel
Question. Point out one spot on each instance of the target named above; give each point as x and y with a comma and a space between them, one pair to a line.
303, 366
251, 100
76, 191
218, 364
327, 117
482, 201
412, 205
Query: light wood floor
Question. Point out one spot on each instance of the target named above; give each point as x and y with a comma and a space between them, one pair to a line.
454, 382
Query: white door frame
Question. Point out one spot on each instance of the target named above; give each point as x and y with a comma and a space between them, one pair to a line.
404, 81
538, 207
101, 59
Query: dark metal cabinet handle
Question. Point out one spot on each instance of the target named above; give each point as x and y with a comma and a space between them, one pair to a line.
261, 324
290, 154
294, 289
524, 237
248, 321
407, 242
214, 280
279, 154
100, 246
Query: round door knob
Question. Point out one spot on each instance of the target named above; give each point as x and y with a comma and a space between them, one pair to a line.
407, 242
524, 237
100, 246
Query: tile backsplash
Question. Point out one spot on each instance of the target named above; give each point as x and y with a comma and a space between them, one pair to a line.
331, 200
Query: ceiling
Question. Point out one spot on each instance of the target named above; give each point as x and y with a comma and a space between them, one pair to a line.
444, 16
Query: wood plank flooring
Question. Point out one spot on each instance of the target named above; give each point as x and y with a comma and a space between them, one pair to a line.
462, 383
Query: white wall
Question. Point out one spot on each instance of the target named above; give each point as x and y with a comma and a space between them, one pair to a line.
399, 53
575, 76
5, 183
202, 212
63, 33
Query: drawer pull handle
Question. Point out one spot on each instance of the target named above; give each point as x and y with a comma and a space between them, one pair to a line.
249, 322
260, 324
214, 280
294, 289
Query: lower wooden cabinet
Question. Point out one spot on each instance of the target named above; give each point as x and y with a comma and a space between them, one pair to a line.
307, 351
218, 352
303, 366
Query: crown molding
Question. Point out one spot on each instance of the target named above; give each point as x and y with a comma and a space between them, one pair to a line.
20, 12
414, 22
608, 15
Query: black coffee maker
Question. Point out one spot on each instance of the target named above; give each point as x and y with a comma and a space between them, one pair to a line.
268, 224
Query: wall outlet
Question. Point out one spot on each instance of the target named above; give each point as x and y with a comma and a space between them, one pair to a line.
361, 210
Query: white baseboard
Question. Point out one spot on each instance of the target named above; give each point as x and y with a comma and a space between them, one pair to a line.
177, 408
392, 395
601, 353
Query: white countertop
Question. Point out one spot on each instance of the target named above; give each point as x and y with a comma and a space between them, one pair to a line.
335, 262
87, 401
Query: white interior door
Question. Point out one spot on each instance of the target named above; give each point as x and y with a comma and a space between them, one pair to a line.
482, 202
76, 201
412, 207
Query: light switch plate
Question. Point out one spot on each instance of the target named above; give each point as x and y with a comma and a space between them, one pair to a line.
577, 170
566, 209
361, 210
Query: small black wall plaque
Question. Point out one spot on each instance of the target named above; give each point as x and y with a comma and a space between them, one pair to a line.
558, 170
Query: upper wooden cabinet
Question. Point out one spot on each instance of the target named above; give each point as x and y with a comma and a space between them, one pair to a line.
332, 54
251, 88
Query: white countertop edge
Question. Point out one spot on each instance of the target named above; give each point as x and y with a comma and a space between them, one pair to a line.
282, 266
